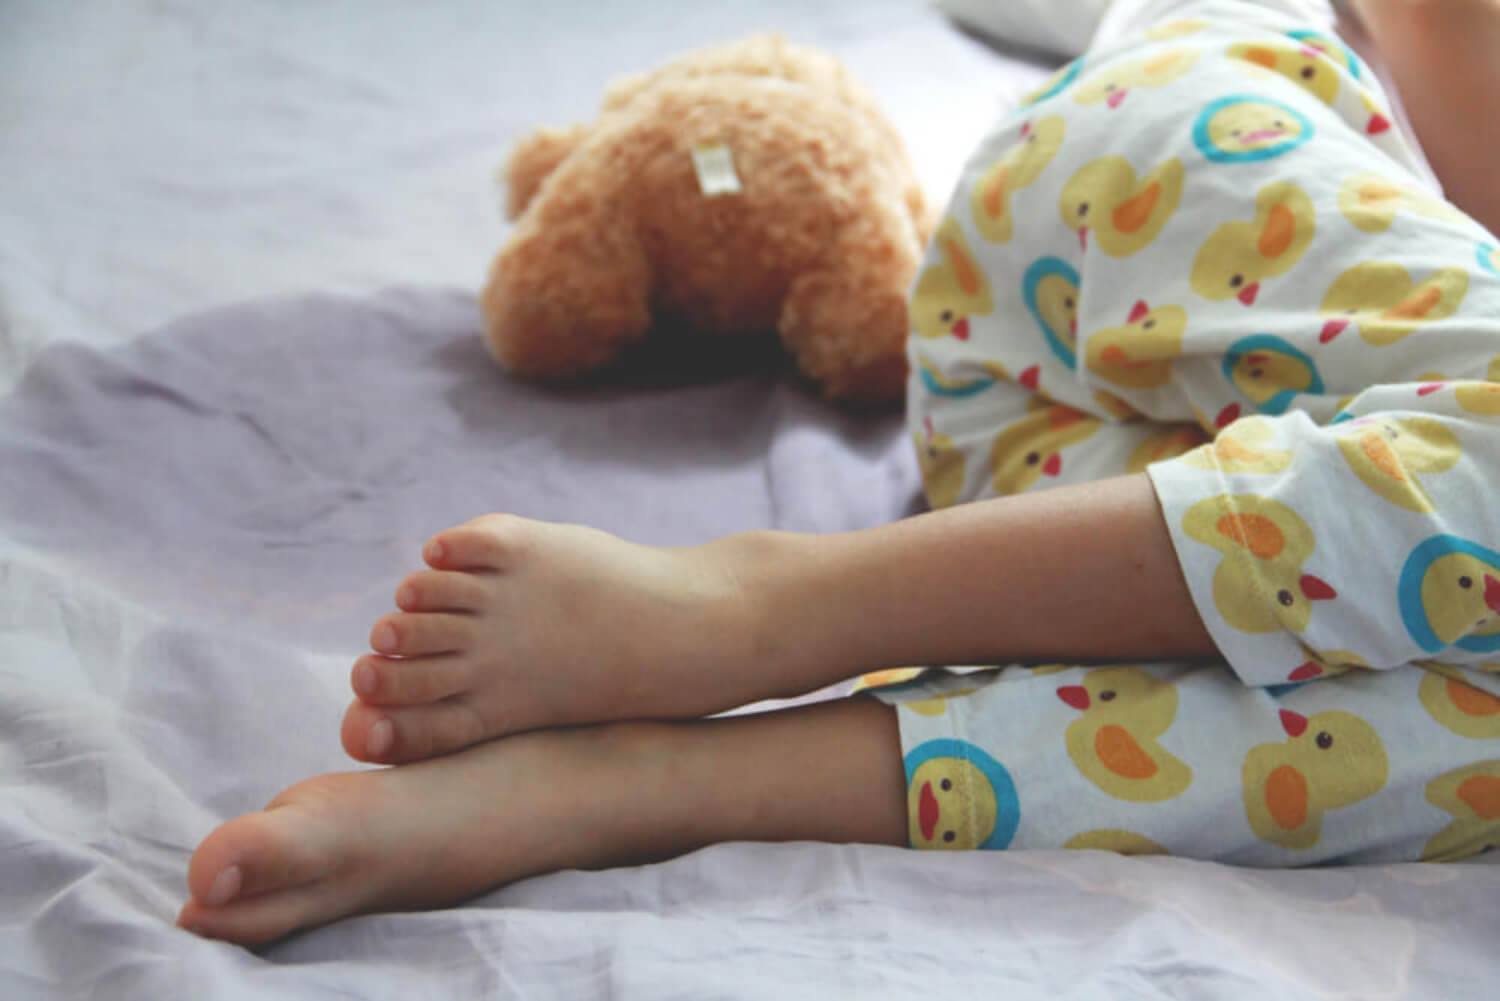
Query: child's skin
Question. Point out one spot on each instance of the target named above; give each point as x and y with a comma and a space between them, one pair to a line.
570, 646
524, 625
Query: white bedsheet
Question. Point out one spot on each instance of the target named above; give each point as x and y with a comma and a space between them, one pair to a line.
198, 510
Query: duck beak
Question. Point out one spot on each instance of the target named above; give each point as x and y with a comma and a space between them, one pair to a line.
1332, 329
1117, 98
928, 811
1295, 724
1316, 588
1492, 593
1083, 237
1074, 695
1247, 294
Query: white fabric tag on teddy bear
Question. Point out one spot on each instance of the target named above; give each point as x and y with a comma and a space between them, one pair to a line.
715, 167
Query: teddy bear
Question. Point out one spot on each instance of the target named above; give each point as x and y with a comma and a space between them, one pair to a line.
740, 189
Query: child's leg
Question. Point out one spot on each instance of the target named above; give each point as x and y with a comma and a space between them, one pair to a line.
528, 625
1442, 54
434, 833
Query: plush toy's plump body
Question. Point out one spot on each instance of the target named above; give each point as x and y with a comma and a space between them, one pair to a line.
617, 228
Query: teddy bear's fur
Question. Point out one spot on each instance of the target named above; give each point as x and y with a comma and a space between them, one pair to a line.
613, 231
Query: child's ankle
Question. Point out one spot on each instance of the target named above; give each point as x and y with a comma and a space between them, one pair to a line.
790, 609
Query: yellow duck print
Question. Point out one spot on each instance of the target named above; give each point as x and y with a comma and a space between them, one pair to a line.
1164, 445
1371, 203
1472, 795
959, 798
1032, 447
1021, 165
1139, 354
1108, 839
1103, 197
1462, 707
1329, 761
1380, 298
1115, 742
1387, 453
1265, 544
1239, 256
1449, 595
1481, 398
942, 466
1270, 372
1113, 83
1301, 64
1240, 448
952, 290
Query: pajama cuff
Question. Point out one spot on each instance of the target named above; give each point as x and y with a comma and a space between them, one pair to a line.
1243, 567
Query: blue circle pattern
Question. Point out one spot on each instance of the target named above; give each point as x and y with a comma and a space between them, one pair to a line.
1409, 592
1205, 144
1485, 255
956, 392
1007, 805
1278, 403
1351, 61
1074, 68
1040, 269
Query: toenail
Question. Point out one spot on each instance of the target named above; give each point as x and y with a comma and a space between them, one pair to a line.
380, 738
405, 595
365, 679
434, 550
225, 885
385, 638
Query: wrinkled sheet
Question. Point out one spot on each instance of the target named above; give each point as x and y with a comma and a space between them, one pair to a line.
240, 382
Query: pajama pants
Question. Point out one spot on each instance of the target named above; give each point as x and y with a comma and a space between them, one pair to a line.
1204, 251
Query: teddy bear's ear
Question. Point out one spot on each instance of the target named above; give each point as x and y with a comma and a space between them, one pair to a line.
532, 161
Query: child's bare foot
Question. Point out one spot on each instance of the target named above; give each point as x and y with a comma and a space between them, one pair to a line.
523, 624
435, 832
404, 838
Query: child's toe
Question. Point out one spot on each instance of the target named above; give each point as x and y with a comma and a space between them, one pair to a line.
276, 849
382, 681
487, 543
415, 634
397, 735
441, 591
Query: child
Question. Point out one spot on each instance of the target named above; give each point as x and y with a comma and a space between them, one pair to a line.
1205, 229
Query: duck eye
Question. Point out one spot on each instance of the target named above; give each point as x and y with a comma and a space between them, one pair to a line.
948, 835
947, 784
1285, 597
1324, 739
1277, 123
1083, 208
1235, 281
1032, 458
1236, 133
1465, 582
1148, 324
946, 316
1307, 72
1068, 302
1108, 695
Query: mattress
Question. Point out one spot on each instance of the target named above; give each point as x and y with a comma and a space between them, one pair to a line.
241, 381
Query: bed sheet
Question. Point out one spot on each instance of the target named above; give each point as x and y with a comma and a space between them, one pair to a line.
241, 380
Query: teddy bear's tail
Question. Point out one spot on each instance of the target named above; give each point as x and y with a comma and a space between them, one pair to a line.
531, 161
